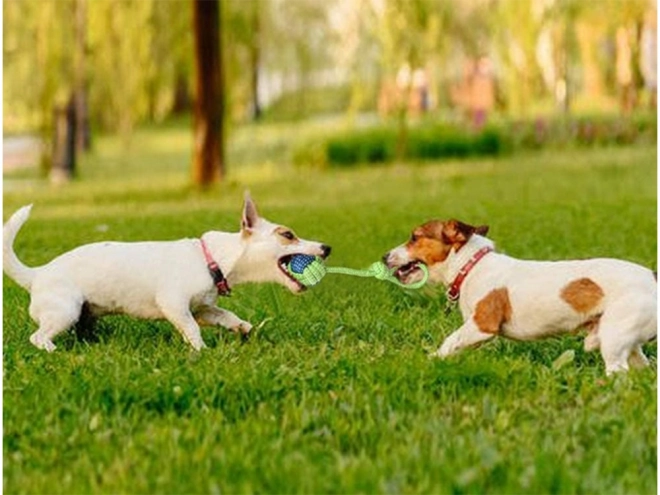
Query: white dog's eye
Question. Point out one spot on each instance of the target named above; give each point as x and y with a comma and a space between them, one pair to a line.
287, 234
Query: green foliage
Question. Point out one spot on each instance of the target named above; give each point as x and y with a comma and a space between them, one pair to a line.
334, 392
427, 142
307, 103
134, 53
362, 146
430, 141
584, 131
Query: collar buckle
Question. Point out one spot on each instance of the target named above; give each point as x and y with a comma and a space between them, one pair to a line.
454, 290
218, 277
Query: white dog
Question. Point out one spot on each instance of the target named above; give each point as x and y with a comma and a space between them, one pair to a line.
176, 280
614, 300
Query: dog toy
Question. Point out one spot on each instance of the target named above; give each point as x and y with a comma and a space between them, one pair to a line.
309, 270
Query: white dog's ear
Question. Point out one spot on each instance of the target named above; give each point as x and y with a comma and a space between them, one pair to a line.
250, 214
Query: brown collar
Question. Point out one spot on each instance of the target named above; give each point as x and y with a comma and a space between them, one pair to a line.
218, 277
454, 291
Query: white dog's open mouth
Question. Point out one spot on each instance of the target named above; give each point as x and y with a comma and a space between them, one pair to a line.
405, 272
283, 265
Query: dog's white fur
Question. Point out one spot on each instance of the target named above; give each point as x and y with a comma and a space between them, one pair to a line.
624, 318
153, 280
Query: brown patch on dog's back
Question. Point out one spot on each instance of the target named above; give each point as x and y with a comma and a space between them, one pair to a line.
582, 294
493, 311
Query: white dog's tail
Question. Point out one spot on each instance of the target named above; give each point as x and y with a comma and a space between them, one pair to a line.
12, 266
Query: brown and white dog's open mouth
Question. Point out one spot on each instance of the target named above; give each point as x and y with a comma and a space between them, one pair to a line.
409, 273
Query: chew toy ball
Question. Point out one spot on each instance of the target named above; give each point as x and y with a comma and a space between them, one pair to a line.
306, 269
309, 270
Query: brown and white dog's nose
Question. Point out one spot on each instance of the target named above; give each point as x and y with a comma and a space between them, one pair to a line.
325, 250
385, 257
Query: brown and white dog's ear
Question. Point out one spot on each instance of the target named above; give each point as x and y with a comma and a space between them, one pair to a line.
250, 214
456, 233
481, 230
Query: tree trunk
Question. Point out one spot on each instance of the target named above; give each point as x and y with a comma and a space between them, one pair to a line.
64, 144
182, 103
255, 59
208, 157
82, 138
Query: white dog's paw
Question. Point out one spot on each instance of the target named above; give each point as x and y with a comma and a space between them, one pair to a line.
447, 348
198, 345
41, 342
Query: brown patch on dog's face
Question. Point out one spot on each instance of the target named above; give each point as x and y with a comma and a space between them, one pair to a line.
432, 242
493, 311
427, 245
583, 294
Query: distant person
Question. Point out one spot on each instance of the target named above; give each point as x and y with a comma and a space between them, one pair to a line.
482, 92
624, 75
420, 90
648, 53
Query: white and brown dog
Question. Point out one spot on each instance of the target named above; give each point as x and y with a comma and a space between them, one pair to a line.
175, 280
614, 300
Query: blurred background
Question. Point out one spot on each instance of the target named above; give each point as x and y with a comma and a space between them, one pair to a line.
224, 87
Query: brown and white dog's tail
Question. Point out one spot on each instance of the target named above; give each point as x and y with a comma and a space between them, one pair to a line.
12, 266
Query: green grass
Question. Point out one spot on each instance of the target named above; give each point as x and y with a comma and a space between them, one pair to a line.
334, 392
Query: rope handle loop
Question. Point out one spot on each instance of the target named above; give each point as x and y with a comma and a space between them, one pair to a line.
380, 271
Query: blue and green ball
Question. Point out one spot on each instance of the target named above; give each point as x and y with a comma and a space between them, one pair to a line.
307, 269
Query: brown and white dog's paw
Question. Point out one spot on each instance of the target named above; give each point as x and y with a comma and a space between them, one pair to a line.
244, 329
435, 354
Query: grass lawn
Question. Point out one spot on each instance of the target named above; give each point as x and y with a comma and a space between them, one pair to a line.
334, 392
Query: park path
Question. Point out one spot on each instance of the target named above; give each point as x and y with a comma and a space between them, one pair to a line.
20, 152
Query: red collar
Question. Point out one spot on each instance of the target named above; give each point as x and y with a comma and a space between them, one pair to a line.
218, 277
454, 291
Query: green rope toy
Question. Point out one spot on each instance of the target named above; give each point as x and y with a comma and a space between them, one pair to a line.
309, 270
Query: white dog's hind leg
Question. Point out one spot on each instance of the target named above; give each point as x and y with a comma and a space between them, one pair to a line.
468, 335
624, 325
614, 347
52, 322
210, 315
55, 311
637, 359
591, 342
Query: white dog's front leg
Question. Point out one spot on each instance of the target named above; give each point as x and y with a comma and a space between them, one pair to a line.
180, 316
467, 335
211, 315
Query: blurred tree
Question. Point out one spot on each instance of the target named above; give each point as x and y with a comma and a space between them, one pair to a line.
245, 23
410, 34
516, 26
170, 81
208, 140
120, 36
302, 59
133, 60
255, 58
79, 97
37, 66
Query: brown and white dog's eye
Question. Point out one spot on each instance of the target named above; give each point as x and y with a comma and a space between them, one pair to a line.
287, 234
413, 237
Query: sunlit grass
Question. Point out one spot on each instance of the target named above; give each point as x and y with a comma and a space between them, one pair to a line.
334, 393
